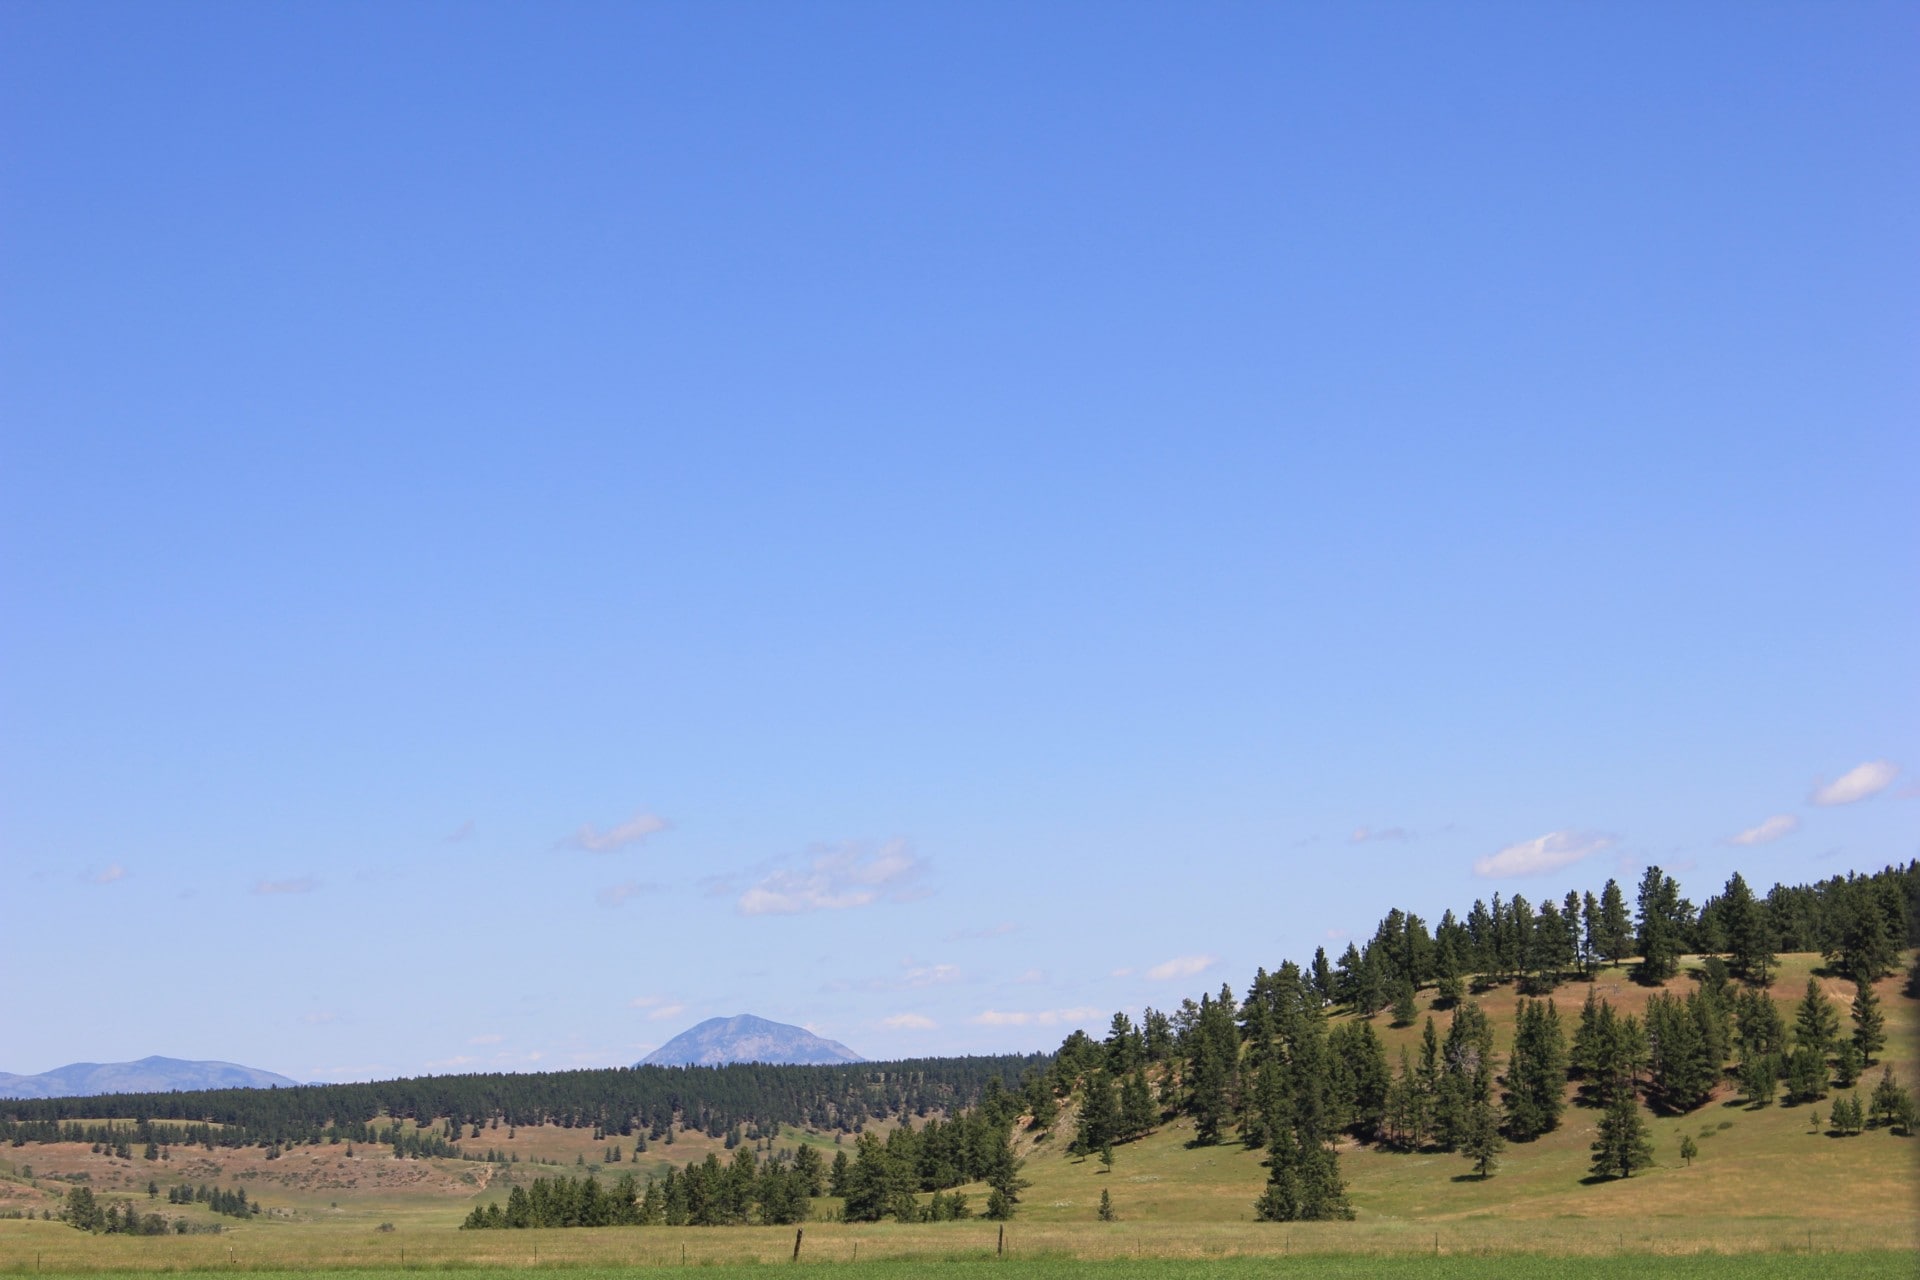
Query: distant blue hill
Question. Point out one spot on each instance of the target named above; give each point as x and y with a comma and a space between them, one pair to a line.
746, 1038
149, 1075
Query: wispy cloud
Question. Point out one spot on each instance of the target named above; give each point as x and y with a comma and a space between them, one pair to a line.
615, 895
1857, 783
1182, 967
1780, 824
492, 1037
908, 1022
591, 839
319, 1017
456, 1061
1541, 854
301, 884
930, 975
1363, 835
1031, 976
112, 875
835, 878
975, 935
1035, 1017
657, 1007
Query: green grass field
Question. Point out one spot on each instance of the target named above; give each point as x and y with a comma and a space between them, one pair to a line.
1778, 1266
1767, 1187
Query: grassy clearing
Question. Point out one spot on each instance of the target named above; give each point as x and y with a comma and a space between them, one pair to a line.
54, 1248
1850, 1266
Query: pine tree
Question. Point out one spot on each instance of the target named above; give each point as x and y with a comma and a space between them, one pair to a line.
1760, 1079
1684, 1068
1099, 1115
1106, 1206
1889, 1100
1622, 1145
1869, 1024
1846, 1065
1209, 1101
1405, 1008
1536, 1072
1320, 979
1466, 1076
1661, 917
1815, 1023
1806, 1074
1482, 1143
839, 1173
1616, 931
1749, 934
1589, 934
1138, 1112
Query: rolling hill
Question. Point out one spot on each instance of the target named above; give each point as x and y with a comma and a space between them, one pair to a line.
148, 1075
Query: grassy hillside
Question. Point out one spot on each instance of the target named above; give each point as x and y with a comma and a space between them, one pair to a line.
1765, 1179
1762, 1165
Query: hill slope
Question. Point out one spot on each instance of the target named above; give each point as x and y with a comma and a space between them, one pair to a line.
148, 1075
745, 1038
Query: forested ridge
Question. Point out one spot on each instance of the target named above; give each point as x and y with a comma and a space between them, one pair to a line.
622, 1101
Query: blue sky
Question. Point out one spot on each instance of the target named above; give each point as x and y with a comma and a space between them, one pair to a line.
522, 527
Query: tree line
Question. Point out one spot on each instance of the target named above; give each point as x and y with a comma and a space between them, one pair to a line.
624, 1101
882, 1179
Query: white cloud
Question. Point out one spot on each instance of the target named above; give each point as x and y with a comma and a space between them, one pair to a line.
114, 873
658, 1007
457, 1060
490, 1038
319, 1018
1857, 783
1780, 824
835, 878
303, 884
1031, 976
632, 831
1182, 967
1036, 1017
615, 895
1124, 971
931, 975
1544, 853
1362, 835
908, 1022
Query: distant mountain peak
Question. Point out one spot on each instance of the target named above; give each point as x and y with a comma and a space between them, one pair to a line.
746, 1038
151, 1074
